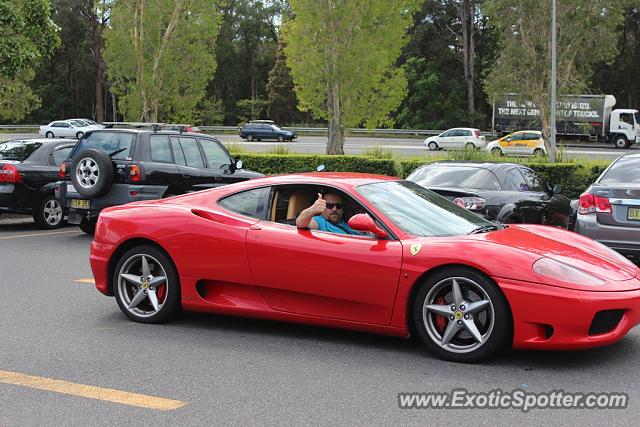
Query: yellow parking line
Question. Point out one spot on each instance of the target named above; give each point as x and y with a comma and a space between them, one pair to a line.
38, 234
90, 392
85, 281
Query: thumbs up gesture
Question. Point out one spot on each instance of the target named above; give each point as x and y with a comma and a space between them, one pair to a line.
319, 205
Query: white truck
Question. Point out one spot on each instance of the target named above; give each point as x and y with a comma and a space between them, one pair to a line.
577, 116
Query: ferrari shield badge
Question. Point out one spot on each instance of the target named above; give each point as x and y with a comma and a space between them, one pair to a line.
415, 248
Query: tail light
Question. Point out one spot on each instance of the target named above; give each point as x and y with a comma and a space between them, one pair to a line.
476, 133
470, 203
63, 170
135, 173
10, 174
590, 203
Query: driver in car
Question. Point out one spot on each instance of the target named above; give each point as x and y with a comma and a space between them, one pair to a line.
326, 215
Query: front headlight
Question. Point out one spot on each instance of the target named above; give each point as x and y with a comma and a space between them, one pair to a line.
560, 271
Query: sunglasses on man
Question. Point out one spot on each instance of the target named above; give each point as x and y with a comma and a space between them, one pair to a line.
334, 205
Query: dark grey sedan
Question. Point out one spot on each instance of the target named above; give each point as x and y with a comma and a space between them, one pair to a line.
609, 210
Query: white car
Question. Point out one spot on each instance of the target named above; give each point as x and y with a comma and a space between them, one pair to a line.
72, 128
456, 139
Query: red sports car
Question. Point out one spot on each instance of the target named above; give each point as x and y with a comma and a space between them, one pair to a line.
423, 265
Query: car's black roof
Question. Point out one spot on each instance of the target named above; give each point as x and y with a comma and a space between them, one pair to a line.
492, 166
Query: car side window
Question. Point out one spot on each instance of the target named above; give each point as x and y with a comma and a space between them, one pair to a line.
191, 152
251, 203
532, 180
214, 153
516, 178
160, 148
59, 155
178, 155
448, 134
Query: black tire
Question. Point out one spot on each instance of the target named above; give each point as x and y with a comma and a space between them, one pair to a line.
50, 213
496, 151
280, 138
88, 226
469, 146
433, 146
538, 152
493, 323
92, 173
50, 135
620, 142
250, 138
159, 265
79, 135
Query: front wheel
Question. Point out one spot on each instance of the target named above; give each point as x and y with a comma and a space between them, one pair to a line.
146, 285
495, 151
280, 138
621, 142
49, 134
538, 152
432, 146
461, 315
49, 213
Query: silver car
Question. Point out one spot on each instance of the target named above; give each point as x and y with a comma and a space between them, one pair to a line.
609, 210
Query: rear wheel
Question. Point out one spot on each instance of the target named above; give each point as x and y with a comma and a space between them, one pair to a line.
49, 213
146, 285
461, 315
280, 138
538, 152
469, 146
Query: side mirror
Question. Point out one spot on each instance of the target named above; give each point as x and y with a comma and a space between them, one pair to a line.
508, 139
320, 168
363, 222
235, 165
557, 189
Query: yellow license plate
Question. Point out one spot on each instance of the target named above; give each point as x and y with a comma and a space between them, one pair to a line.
633, 214
79, 204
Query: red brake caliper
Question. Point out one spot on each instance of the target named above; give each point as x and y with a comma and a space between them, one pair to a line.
441, 321
160, 292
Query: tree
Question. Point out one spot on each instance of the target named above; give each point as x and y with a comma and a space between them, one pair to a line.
97, 14
587, 34
342, 56
29, 35
283, 103
160, 56
467, 14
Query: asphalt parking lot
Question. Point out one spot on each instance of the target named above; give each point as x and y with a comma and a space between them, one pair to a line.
68, 356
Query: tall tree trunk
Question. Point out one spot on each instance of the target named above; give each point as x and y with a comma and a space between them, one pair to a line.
336, 130
467, 9
99, 76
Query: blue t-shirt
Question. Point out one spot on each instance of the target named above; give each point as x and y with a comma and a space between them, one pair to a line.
341, 228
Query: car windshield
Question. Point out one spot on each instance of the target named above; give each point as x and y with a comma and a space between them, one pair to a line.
109, 142
624, 171
455, 177
18, 150
421, 212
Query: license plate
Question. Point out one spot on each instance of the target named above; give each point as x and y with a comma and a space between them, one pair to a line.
79, 204
633, 214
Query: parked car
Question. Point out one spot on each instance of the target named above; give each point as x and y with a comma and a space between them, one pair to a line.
522, 143
90, 122
28, 175
609, 210
506, 192
456, 139
112, 167
259, 130
465, 286
72, 128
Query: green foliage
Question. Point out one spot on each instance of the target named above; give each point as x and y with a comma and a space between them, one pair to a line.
250, 109
378, 152
210, 111
28, 35
280, 149
160, 56
235, 148
283, 104
278, 164
342, 56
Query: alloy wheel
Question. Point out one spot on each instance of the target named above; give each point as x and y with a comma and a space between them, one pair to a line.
142, 285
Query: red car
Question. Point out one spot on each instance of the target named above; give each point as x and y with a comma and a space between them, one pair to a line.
466, 286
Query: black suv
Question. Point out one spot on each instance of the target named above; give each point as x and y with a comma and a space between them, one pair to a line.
112, 167
28, 175
260, 130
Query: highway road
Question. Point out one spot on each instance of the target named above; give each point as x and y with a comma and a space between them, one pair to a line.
403, 147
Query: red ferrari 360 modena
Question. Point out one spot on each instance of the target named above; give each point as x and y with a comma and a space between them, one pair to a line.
464, 285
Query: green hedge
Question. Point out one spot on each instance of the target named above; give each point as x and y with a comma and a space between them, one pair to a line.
574, 177
270, 164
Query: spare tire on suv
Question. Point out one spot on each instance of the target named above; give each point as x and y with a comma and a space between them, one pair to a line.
92, 173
